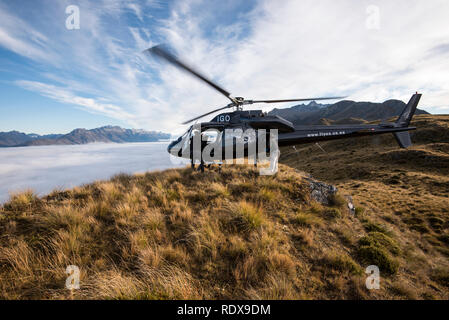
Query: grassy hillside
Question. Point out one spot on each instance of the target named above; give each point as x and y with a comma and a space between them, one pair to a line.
183, 234
405, 190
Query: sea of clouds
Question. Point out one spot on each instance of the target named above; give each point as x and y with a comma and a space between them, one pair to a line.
45, 168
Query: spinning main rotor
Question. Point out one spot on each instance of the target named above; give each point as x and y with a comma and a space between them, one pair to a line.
236, 102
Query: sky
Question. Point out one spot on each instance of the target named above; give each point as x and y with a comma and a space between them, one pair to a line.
57, 75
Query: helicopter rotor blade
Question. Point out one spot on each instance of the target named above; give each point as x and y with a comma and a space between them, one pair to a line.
160, 52
208, 113
291, 100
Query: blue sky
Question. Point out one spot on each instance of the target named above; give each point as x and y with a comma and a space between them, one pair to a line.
54, 80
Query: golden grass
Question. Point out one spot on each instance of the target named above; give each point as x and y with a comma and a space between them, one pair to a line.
342, 263
162, 235
307, 219
247, 216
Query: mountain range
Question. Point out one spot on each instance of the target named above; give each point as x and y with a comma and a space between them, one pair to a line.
345, 111
81, 136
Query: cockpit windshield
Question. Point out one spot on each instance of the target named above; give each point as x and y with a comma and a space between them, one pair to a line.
186, 137
210, 135
187, 133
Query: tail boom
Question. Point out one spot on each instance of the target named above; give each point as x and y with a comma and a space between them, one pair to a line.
400, 129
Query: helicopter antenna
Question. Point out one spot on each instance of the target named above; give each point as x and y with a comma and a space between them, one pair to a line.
318, 145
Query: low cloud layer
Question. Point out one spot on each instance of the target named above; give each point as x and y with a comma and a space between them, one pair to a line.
45, 168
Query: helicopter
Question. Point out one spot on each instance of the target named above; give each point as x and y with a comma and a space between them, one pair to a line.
214, 131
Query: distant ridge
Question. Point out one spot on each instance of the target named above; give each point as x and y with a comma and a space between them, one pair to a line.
357, 112
81, 136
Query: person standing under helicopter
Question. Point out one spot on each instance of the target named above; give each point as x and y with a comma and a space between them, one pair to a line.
196, 148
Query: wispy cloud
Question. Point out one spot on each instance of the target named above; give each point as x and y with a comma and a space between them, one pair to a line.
272, 50
21, 38
65, 95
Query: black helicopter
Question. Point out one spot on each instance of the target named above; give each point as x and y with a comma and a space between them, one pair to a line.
288, 134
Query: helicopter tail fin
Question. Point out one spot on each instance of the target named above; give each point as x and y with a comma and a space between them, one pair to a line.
403, 137
409, 110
